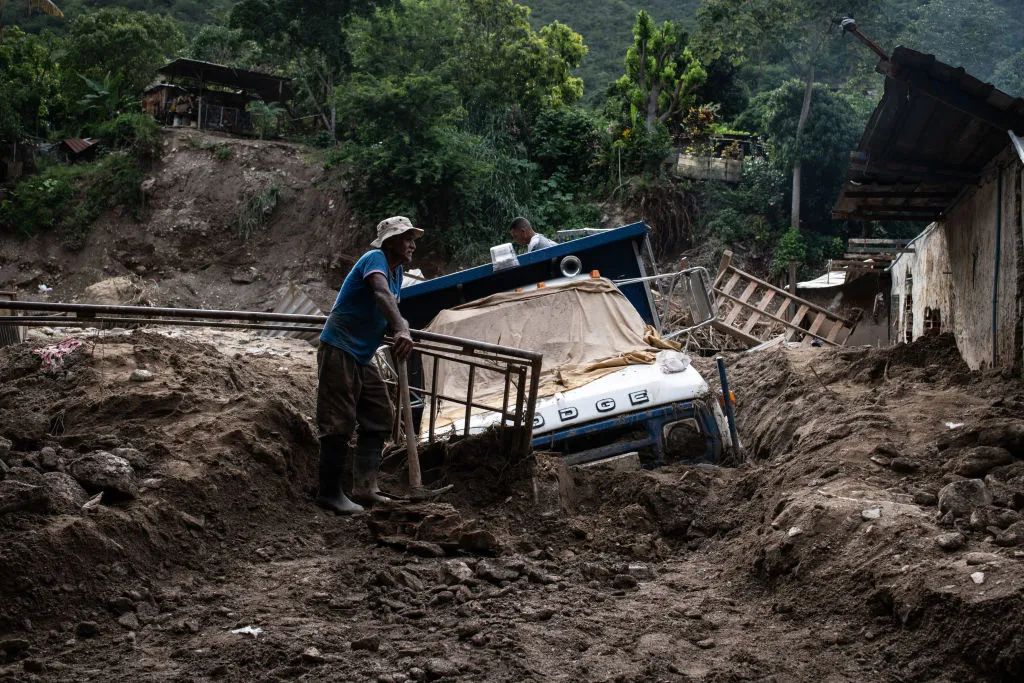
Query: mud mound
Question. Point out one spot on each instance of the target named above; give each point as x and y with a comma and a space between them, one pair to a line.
182, 462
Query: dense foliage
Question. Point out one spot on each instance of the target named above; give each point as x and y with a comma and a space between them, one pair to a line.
464, 113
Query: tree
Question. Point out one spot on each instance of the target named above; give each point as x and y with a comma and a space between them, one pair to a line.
1009, 75
222, 45
124, 45
312, 35
437, 111
797, 32
821, 145
45, 6
30, 85
661, 72
974, 35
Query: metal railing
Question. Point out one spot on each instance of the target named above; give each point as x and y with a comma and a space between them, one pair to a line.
684, 300
520, 369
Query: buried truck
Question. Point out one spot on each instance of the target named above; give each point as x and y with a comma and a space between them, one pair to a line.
612, 381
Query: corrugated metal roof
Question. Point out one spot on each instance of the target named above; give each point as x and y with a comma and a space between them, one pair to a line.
294, 300
933, 132
78, 145
270, 88
835, 278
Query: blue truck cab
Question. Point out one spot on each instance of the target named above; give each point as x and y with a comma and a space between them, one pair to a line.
641, 407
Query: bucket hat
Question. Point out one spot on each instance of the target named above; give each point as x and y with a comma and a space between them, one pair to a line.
390, 227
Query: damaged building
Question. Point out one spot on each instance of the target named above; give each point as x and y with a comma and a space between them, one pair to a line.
942, 146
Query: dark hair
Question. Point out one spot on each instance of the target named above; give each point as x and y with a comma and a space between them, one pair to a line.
519, 222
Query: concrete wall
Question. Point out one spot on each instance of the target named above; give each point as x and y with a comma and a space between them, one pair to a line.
954, 271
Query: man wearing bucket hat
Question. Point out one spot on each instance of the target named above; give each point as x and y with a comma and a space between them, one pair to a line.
350, 391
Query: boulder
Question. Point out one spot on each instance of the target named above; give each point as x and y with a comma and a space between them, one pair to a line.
114, 291
960, 498
66, 495
1012, 536
106, 472
980, 460
1008, 434
17, 496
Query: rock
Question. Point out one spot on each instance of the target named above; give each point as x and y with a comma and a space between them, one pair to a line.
5, 447
978, 577
48, 458
312, 655
134, 457
114, 291
870, 514
468, 629
541, 614
129, 621
706, 644
978, 461
106, 472
974, 559
951, 541
13, 646
455, 571
961, 497
120, 605
442, 668
479, 541
66, 495
417, 674
1012, 536
17, 496
369, 643
904, 465
424, 549
624, 581
1008, 435
34, 666
926, 499
491, 571
87, 629
244, 276
3, 470
141, 375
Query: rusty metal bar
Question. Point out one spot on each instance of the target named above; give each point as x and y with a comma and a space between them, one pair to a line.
504, 401
433, 400
92, 310
68, 321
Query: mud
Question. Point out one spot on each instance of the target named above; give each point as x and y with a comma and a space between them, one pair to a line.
817, 559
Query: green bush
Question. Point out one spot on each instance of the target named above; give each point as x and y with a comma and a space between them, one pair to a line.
256, 210
69, 199
135, 132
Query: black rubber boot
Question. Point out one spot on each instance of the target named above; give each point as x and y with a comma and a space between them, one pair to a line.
367, 464
334, 456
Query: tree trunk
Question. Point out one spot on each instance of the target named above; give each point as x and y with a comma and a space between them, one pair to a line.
652, 107
805, 113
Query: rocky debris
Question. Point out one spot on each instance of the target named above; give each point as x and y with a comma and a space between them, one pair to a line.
494, 572
1011, 536
926, 499
705, 644
951, 541
978, 577
87, 629
640, 571
870, 514
3, 470
624, 582
66, 495
105, 472
455, 572
5, 447
425, 549
141, 375
49, 459
959, 498
442, 668
17, 496
904, 465
129, 621
974, 559
369, 643
113, 291
12, 647
980, 460
439, 524
1008, 434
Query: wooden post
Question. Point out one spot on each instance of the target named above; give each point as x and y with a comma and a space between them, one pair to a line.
792, 287
415, 476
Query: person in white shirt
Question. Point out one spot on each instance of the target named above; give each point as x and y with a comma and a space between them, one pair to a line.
524, 236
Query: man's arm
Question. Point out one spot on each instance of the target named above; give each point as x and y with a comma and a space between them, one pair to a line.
389, 307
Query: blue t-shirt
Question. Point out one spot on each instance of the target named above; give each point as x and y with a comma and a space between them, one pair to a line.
355, 324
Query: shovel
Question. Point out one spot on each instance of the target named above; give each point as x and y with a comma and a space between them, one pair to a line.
417, 492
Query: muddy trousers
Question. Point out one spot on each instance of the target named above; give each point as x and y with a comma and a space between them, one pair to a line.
339, 464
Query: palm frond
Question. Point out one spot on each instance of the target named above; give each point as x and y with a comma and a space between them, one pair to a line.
46, 7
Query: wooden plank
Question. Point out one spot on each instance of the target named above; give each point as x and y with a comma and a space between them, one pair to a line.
783, 307
723, 265
834, 333
818, 322
795, 322
878, 249
783, 292
736, 310
738, 334
873, 257
886, 241
776, 319
731, 283
761, 307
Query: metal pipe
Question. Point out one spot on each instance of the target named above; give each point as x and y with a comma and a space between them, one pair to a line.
850, 26
69, 321
730, 416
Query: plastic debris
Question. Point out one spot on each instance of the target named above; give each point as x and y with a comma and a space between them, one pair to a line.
954, 425
978, 577
246, 630
672, 362
871, 513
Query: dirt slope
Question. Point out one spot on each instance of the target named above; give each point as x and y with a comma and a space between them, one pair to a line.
816, 561
187, 245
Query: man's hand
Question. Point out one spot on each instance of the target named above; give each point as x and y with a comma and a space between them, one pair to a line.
402, 346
